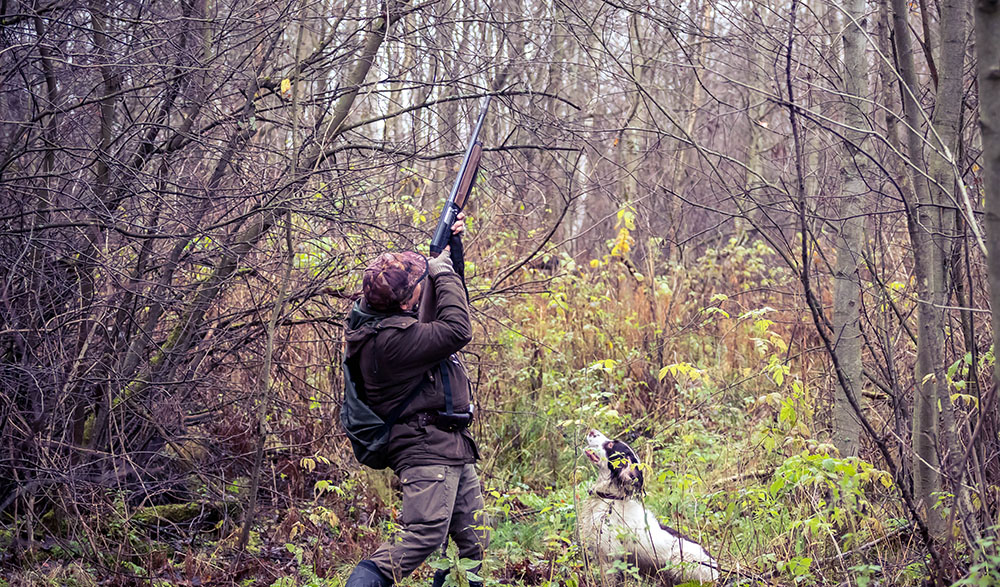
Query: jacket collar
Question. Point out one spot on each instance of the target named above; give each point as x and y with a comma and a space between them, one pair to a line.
361, 314
362, 321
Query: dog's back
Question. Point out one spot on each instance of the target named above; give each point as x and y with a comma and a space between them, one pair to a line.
615, 525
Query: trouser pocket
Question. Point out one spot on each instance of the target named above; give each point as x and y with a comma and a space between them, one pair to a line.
428, 494
428, 500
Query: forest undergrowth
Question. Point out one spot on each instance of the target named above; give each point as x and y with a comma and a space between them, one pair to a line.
710, 369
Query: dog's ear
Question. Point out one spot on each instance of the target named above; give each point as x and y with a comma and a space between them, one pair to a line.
630, 478
626, 471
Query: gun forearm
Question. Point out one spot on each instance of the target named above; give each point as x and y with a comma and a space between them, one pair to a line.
442, 234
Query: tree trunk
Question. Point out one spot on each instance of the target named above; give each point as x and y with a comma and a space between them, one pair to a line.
941, 217
705, 25
757, 195
846, 280
988, 55
929, 230
889, 80
926, 480
987, 17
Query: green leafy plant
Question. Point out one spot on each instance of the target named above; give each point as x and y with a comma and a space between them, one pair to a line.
985, 570
459, 569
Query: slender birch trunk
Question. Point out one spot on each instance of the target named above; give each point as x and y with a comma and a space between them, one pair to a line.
932, 438
848, 243
944, 200
926, 478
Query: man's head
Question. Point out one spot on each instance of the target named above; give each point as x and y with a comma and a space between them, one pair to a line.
391, 281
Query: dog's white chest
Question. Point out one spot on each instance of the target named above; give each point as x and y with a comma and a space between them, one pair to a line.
615, 529
624, 528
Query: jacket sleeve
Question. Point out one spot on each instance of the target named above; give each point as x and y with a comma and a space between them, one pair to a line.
426, 343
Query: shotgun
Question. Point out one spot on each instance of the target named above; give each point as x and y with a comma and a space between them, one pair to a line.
456, 201
463, 185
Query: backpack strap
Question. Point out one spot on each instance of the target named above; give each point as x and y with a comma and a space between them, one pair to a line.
449, 404
354, 365
449, 420
396, 413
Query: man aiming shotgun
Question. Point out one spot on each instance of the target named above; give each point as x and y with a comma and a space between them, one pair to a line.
405, 369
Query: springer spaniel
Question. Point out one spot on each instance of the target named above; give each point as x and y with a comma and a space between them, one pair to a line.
615, 525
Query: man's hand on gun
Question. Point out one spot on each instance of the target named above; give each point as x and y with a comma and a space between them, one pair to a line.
440, 264
459, 226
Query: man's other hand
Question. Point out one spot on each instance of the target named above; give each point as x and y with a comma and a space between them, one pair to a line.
442, 263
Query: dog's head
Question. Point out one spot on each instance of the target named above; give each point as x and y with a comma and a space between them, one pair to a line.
620, 474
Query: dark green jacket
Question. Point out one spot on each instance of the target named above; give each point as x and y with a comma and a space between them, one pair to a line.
398, 353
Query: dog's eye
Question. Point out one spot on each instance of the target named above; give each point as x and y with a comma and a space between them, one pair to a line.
609, 445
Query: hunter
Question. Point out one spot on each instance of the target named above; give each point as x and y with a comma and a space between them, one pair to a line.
430, 447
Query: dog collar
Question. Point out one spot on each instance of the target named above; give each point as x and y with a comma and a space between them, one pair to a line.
603, 495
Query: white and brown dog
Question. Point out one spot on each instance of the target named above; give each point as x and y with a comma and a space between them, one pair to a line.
615, 525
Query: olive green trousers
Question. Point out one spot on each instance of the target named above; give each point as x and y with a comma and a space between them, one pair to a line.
438, 501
